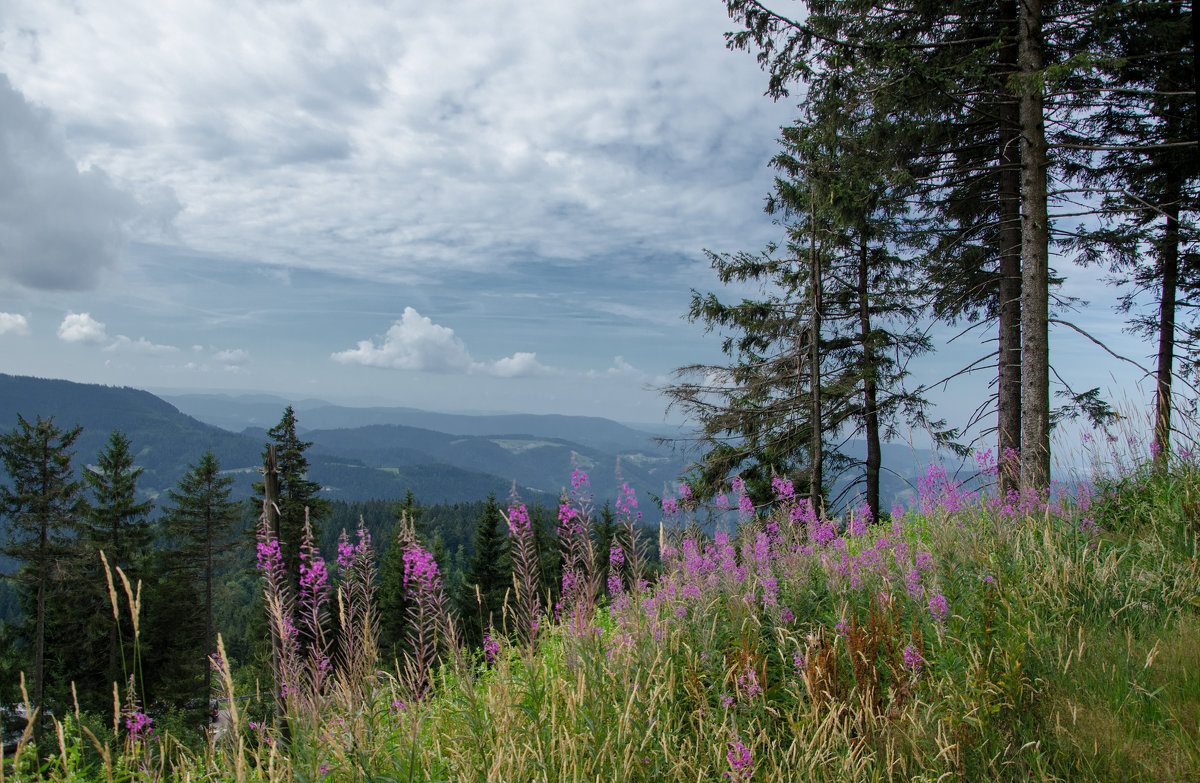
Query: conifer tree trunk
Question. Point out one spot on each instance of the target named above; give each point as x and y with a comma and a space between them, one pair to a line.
815, 446
870, 404
1008, 362
1169, 257
1035, 252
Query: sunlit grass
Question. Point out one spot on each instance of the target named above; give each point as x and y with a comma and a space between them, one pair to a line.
960, 640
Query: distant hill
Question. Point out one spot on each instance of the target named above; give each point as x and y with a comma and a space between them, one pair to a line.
167, 441
367, 453
236, 412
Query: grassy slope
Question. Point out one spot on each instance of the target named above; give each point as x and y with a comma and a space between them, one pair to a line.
1068, 651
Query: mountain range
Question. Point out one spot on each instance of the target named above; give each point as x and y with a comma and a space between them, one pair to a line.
377, 452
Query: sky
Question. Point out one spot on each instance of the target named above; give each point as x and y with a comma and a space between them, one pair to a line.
465, 205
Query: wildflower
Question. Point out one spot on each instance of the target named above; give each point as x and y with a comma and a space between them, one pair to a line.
139, 725
860, 520
579, 479
745, 505
670, 507
398, 706
324, 770
518, 519
722, 502
783, 488
912, 580
786, 615
938, 607
799, 662
747, 684
491, 648
841, 629
685, 492
912, 659
740, 761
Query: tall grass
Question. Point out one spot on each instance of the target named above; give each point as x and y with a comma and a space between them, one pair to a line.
967, 638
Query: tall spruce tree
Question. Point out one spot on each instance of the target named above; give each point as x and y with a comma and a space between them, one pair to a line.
968, 90
298, 496
1140, 154
43, 505
98, 649
488, 575
199, 526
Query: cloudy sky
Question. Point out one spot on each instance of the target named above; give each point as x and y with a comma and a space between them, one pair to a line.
463, 205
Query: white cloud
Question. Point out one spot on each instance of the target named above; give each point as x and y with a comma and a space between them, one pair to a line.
140, 345
13, 323
81, 328
519, 365
232, 356
415, 342
412, 343
347, 131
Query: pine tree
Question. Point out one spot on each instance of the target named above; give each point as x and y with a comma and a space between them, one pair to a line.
488, 576
1141, 153
97, 648
298, 496
199, 525
393, 605
44, 504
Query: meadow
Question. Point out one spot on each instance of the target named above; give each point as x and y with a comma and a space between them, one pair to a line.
967, 637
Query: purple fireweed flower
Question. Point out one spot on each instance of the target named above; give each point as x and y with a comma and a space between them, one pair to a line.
722, 502
345, 554
787, 615
313, 576
986, 462
670, 507
745, 505
860, 520
938, 607
783, 488
568, 519
518, 520
912, 659
269, 556
841, 629
912, 581
739, 485
491, 648
139, 725
579, 479
747, 684
420, 567
685, 492
740, 761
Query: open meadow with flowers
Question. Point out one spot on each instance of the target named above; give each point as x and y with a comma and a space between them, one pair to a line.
966, 637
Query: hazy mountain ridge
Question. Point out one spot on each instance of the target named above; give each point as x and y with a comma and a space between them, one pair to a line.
352, 464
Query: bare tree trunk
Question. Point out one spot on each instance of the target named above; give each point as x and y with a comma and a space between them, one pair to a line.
1008, 362
1169, 260
1035, 260
816, 454
870, 404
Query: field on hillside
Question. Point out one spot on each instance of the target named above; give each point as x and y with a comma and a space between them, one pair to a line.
968, 637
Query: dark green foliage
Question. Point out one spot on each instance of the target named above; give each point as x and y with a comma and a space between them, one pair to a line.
199, 527
299, 498
102, 647
43, 506
488, 576
605, 530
